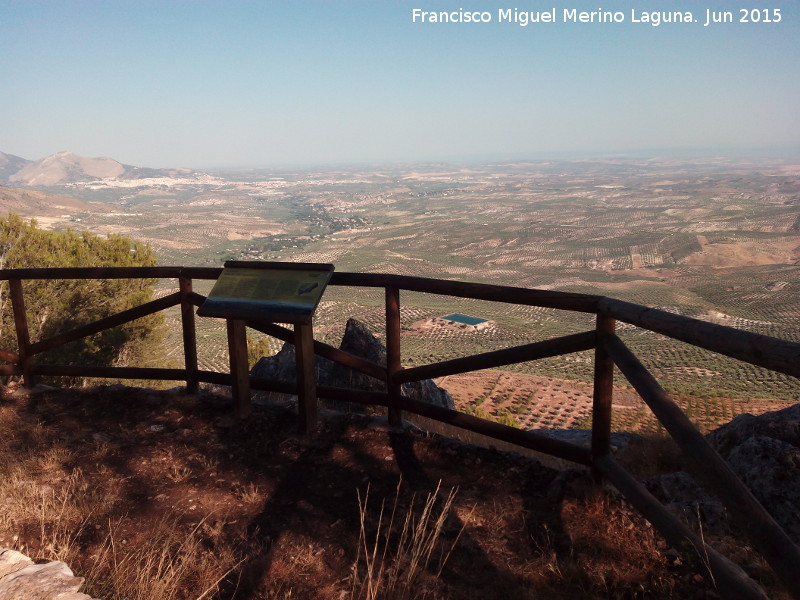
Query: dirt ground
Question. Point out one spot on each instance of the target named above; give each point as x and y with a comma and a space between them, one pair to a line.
288, 505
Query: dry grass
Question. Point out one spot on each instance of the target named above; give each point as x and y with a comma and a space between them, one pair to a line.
392, 558
171, 564
249, 493
49, 509
203, 508
614, 548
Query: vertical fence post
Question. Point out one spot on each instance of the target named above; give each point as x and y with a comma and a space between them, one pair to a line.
603, 389
393, 350
21, 326
189, 335
240, 375
306, 377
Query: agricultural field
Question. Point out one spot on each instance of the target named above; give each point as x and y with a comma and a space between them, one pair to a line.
714, 239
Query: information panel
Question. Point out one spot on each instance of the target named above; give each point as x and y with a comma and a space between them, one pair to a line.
276, 292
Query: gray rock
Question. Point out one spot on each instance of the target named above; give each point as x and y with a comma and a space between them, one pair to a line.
764, 451
11, 560
359, 341
686, 499
281, 366
771, 469
21, 579
781, 425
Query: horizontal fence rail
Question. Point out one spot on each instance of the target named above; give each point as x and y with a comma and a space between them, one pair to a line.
779, 355
116, 320
765, 351
499, 358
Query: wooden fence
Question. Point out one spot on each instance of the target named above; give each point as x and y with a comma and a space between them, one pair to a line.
704, 462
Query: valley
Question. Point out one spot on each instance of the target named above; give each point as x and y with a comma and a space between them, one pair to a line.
715, 239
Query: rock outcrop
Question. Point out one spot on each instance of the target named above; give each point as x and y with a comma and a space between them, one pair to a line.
359, 341
782, 425
764, 452
686, 499
21, 579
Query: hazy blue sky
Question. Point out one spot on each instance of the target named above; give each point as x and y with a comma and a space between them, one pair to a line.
200, 83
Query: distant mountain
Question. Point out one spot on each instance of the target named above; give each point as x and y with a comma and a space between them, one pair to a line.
32, 203
67, 167
10, 164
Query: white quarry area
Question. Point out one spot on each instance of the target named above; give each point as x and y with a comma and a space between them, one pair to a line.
204, 179
198, 179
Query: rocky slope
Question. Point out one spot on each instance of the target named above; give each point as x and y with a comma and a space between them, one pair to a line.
67, 167
10, 164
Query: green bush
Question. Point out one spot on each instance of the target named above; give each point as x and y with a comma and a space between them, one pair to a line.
57, 306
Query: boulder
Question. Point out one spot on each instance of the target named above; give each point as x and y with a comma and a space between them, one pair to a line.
771, 469
783, 425
686, 499
359, 341
764, 451
21, 579
11, 561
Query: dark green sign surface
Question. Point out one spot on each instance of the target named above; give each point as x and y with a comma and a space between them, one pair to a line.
272, 292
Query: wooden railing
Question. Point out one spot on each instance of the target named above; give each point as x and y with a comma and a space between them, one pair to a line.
704, 462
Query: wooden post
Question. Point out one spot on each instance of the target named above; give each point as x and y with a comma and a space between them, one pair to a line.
189, 335
395, 415
240, 374
21, 326
306, 377
603, 390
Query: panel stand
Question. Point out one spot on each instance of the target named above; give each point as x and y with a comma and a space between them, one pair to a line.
240, 373
264, 292
395, 415
306, 377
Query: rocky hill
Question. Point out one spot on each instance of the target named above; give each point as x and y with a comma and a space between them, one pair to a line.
67, 167
10, 164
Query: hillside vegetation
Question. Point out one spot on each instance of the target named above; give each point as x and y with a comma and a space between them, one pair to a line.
55, 306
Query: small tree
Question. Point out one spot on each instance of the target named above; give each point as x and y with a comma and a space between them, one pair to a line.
257, 348
54, 306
